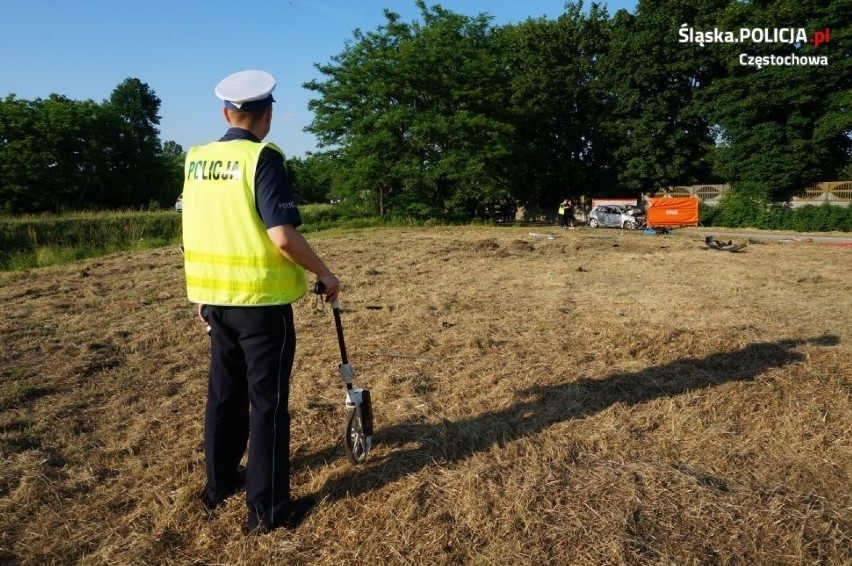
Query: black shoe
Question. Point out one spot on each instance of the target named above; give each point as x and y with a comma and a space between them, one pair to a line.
295, 511
205, 500
239, 483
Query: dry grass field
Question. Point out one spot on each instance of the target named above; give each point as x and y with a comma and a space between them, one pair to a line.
601, 397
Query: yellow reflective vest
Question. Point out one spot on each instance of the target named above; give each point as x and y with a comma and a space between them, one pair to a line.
228, 256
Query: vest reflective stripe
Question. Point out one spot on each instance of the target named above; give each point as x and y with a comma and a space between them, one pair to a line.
243, 287
228, 256
231, 260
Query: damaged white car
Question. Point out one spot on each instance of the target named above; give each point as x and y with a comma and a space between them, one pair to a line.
628, 216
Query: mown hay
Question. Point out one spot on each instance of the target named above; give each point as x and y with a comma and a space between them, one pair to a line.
601, 397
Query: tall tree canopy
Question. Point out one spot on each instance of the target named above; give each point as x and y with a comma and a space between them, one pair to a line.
136, 150
417, 114
437, 113
61, 154
782, 127
660, 134
557, 105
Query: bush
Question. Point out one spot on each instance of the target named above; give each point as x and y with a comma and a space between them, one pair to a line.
744, 206
743, 211
35, 241
747, 205
708, 214
779, 217
822, 218
321, 213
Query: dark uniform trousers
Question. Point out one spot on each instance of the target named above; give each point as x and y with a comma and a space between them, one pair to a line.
247, 404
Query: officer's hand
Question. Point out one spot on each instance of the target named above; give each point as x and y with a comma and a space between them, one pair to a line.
202, 313
332, 287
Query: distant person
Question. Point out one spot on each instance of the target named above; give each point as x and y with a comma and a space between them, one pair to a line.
569, 213
560, 218
244, 265
509, 210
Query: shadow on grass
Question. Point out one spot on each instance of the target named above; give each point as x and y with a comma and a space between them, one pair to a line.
539, 407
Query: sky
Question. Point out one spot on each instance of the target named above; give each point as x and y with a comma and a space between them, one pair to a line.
181, 49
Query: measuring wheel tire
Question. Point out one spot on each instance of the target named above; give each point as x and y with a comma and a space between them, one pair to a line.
358, 434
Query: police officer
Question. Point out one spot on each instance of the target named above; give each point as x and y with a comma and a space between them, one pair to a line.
244, 265
569, 213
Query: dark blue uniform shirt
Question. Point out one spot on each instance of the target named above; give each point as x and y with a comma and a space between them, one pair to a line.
273, 195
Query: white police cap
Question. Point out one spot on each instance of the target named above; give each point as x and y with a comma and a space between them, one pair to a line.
247, 90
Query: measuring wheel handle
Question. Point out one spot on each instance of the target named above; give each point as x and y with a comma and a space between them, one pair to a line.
358, 431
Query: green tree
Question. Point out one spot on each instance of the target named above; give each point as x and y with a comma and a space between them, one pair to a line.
59, 154
171, 157
417, 114
663, 138
313, 176
17, 148
783, 127
359, 110
46, 158
557, 105
136, 168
